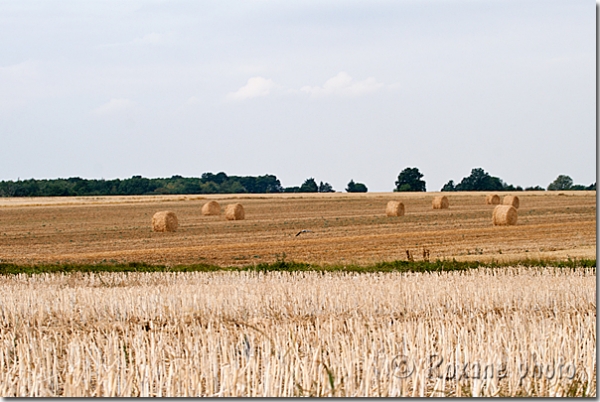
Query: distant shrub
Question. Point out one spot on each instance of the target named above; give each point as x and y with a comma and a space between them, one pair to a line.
410, 180
356, 187
536, 188
309, 186
325, 188
562, 182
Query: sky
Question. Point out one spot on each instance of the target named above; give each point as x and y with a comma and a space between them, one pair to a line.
330, 89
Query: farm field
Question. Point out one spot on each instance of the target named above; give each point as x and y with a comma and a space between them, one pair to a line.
344, 229
484, 332
511, 331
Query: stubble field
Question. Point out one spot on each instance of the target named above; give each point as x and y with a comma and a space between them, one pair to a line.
344, 229
487, 331
495, 332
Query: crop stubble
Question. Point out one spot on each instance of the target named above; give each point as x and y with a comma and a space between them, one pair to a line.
304, 333
344, 228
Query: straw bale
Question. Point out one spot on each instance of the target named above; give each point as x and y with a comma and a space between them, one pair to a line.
211, 208
492, 199
440, 202
394, 208
511, 200
504, 215
164, 221
234, 212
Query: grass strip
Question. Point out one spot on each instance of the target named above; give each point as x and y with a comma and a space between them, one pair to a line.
291, 266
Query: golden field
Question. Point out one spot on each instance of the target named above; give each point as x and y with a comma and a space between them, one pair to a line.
484, 332
345, 228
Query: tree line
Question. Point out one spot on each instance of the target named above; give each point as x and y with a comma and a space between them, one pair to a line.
208, 183
409, 179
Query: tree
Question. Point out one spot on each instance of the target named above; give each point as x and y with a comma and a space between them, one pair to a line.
260, 184
325, 188
536, 188
269, 184
7, 189
480, 180
209, 188
309, 186
232, 187
562, 182
449, 186
510, 187
218, 178
356, 187
410, 180
580, 187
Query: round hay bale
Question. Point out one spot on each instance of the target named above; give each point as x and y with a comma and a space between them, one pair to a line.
234, 212
164, 221
440, 202
504, 215
511, 200
492, 199
394, 208
211, 208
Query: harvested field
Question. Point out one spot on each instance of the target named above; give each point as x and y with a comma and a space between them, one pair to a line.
344, 228
501, 332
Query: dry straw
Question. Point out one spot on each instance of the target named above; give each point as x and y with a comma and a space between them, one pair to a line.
440, 202
511, 200
504, 215
394, 208
492, 199
164, 221
484, 332
211, 208
234, 212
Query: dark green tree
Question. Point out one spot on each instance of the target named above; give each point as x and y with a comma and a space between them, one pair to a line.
260, 184
325, 188
510, 187
449, 186
209, 188
232, 187
410, 180
356, 187
480, 180
309, 186
535, 188
562, 182
268, 184
218, 178
137, 185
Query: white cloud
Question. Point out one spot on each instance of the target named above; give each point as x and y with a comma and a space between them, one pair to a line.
114, 106
255, 87
343, 85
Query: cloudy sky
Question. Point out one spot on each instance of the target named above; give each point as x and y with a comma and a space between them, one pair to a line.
330, 89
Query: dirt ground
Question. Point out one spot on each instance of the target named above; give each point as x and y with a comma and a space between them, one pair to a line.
344, 228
